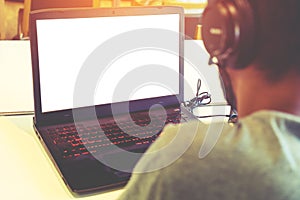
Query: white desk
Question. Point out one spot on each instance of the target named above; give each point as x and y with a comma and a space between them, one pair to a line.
26, 171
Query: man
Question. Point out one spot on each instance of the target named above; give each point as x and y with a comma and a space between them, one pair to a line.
258, 157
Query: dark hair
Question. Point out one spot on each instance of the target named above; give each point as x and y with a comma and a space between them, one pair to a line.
278, 36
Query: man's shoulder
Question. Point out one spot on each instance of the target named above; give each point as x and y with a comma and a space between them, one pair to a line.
220, 161
249, 152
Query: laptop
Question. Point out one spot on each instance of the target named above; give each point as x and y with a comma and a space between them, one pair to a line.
106, 82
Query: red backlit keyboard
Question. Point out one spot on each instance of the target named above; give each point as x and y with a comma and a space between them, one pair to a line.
84, 139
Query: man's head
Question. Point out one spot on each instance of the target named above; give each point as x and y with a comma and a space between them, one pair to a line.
261, 34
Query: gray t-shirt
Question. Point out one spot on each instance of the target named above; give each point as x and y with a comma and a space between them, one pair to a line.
258, 158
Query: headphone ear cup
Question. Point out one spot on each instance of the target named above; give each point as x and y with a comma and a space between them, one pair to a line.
228, 32
217, 29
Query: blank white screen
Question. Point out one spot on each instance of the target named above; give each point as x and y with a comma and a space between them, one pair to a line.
64, 45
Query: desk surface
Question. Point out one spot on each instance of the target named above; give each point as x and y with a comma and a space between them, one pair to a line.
26, 171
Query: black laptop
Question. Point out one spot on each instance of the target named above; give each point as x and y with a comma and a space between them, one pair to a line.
106, 82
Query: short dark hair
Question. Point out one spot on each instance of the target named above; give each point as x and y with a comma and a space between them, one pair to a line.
278, 36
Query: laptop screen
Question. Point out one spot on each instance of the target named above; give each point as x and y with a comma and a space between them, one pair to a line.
65, 45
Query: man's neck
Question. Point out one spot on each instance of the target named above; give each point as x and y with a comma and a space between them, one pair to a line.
254, 92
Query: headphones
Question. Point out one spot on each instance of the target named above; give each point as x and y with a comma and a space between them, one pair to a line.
229, 32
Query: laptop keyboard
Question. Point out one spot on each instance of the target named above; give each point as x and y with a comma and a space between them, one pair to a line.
83, 139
